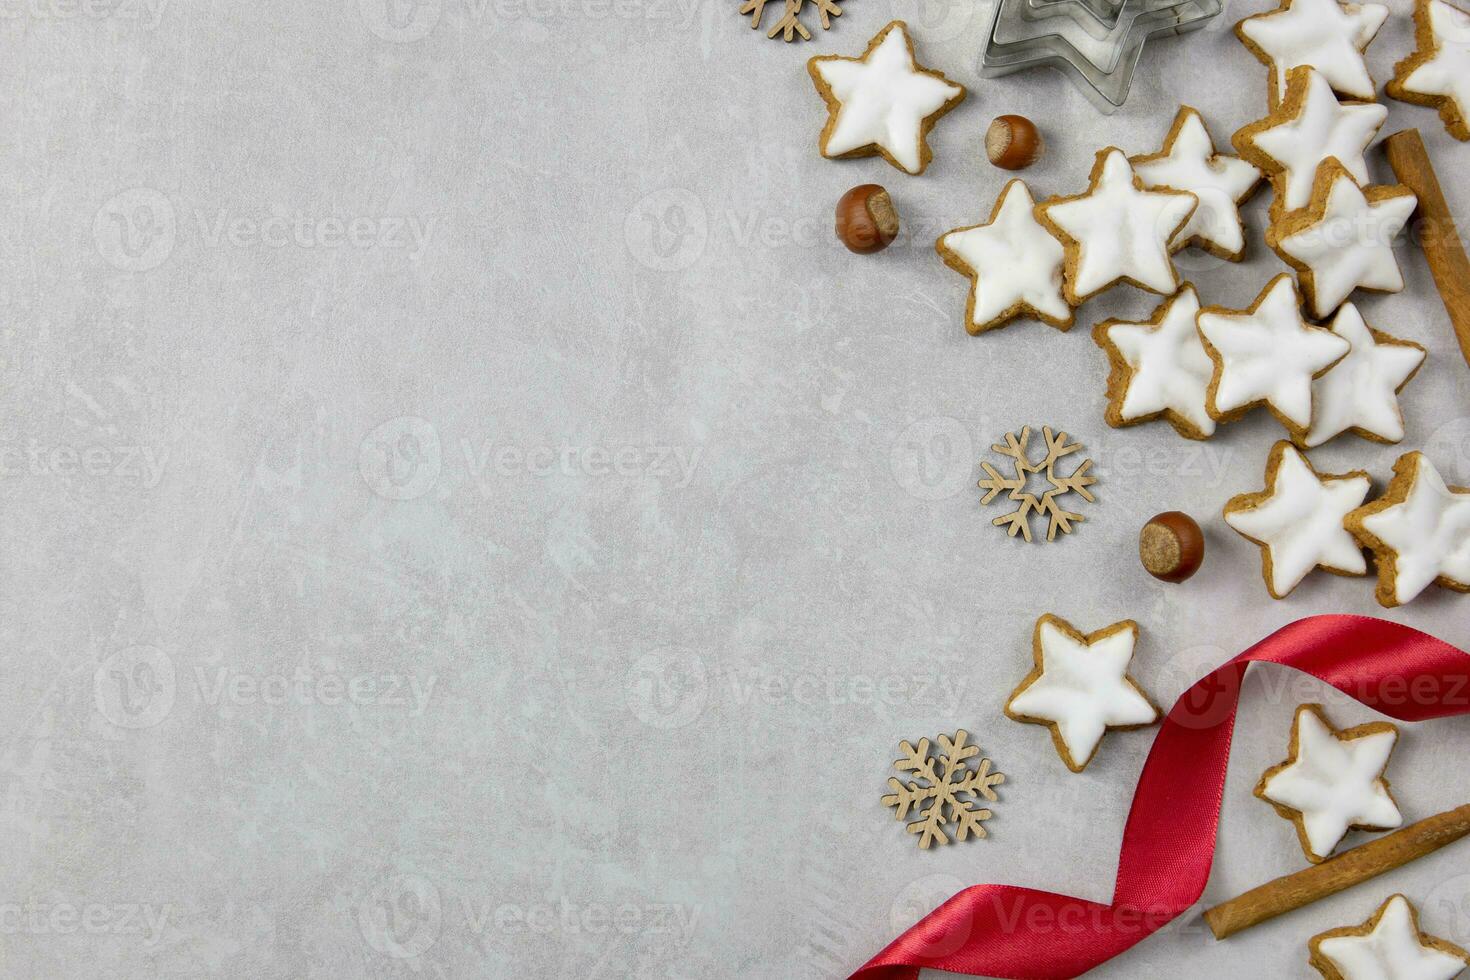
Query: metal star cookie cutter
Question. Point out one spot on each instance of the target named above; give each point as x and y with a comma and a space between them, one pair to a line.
1077, 38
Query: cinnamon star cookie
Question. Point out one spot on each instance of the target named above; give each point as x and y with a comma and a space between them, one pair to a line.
1189, 162
1343, 239
882, 103
1332, 781
1014, 265
1080, 687
1360, 393
1438, 73
1389, 946
1323, 34
1418, 531
1160, 368
1267, 355
1118, 231
1298, 520
1307, 128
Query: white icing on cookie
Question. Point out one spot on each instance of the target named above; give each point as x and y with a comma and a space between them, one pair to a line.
1016, 262
1299, 523
1220, 182
1084, 688
1323, 128
1361, 390
1429, 532
1171, 371
884, 98
1335, 783
1121, 231
1447, 72
1391, 950
1324, 34
1352, 246
1268, 353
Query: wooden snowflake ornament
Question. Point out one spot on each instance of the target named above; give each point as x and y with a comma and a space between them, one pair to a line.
1015, 448
790, 25
946, 791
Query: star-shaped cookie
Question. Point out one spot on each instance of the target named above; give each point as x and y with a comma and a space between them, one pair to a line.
1159, 368
1323, 34
1389, 946
1117, 231
1015, 265
1332, 781
1267, 355
1418, 531
1438, 73
1080, 687
1308, 127
883, 102
1298, 520
1360, 393
1188, 162
1343, 240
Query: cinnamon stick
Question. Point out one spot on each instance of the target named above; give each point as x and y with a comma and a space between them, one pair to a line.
1291, 892
1436, 230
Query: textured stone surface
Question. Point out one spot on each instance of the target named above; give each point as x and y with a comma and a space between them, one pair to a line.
466, 516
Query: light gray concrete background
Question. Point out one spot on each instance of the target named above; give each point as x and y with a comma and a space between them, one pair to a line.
464, 516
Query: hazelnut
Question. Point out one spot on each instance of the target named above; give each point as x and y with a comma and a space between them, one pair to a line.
1171, 546
1013, 143
866, 219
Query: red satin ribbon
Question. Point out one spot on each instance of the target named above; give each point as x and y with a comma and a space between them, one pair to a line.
1169, 841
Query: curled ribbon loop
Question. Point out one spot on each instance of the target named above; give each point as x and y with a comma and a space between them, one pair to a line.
1169, 840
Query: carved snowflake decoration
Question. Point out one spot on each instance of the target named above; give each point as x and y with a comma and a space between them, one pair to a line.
790, 23
1015, 448
946, 791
